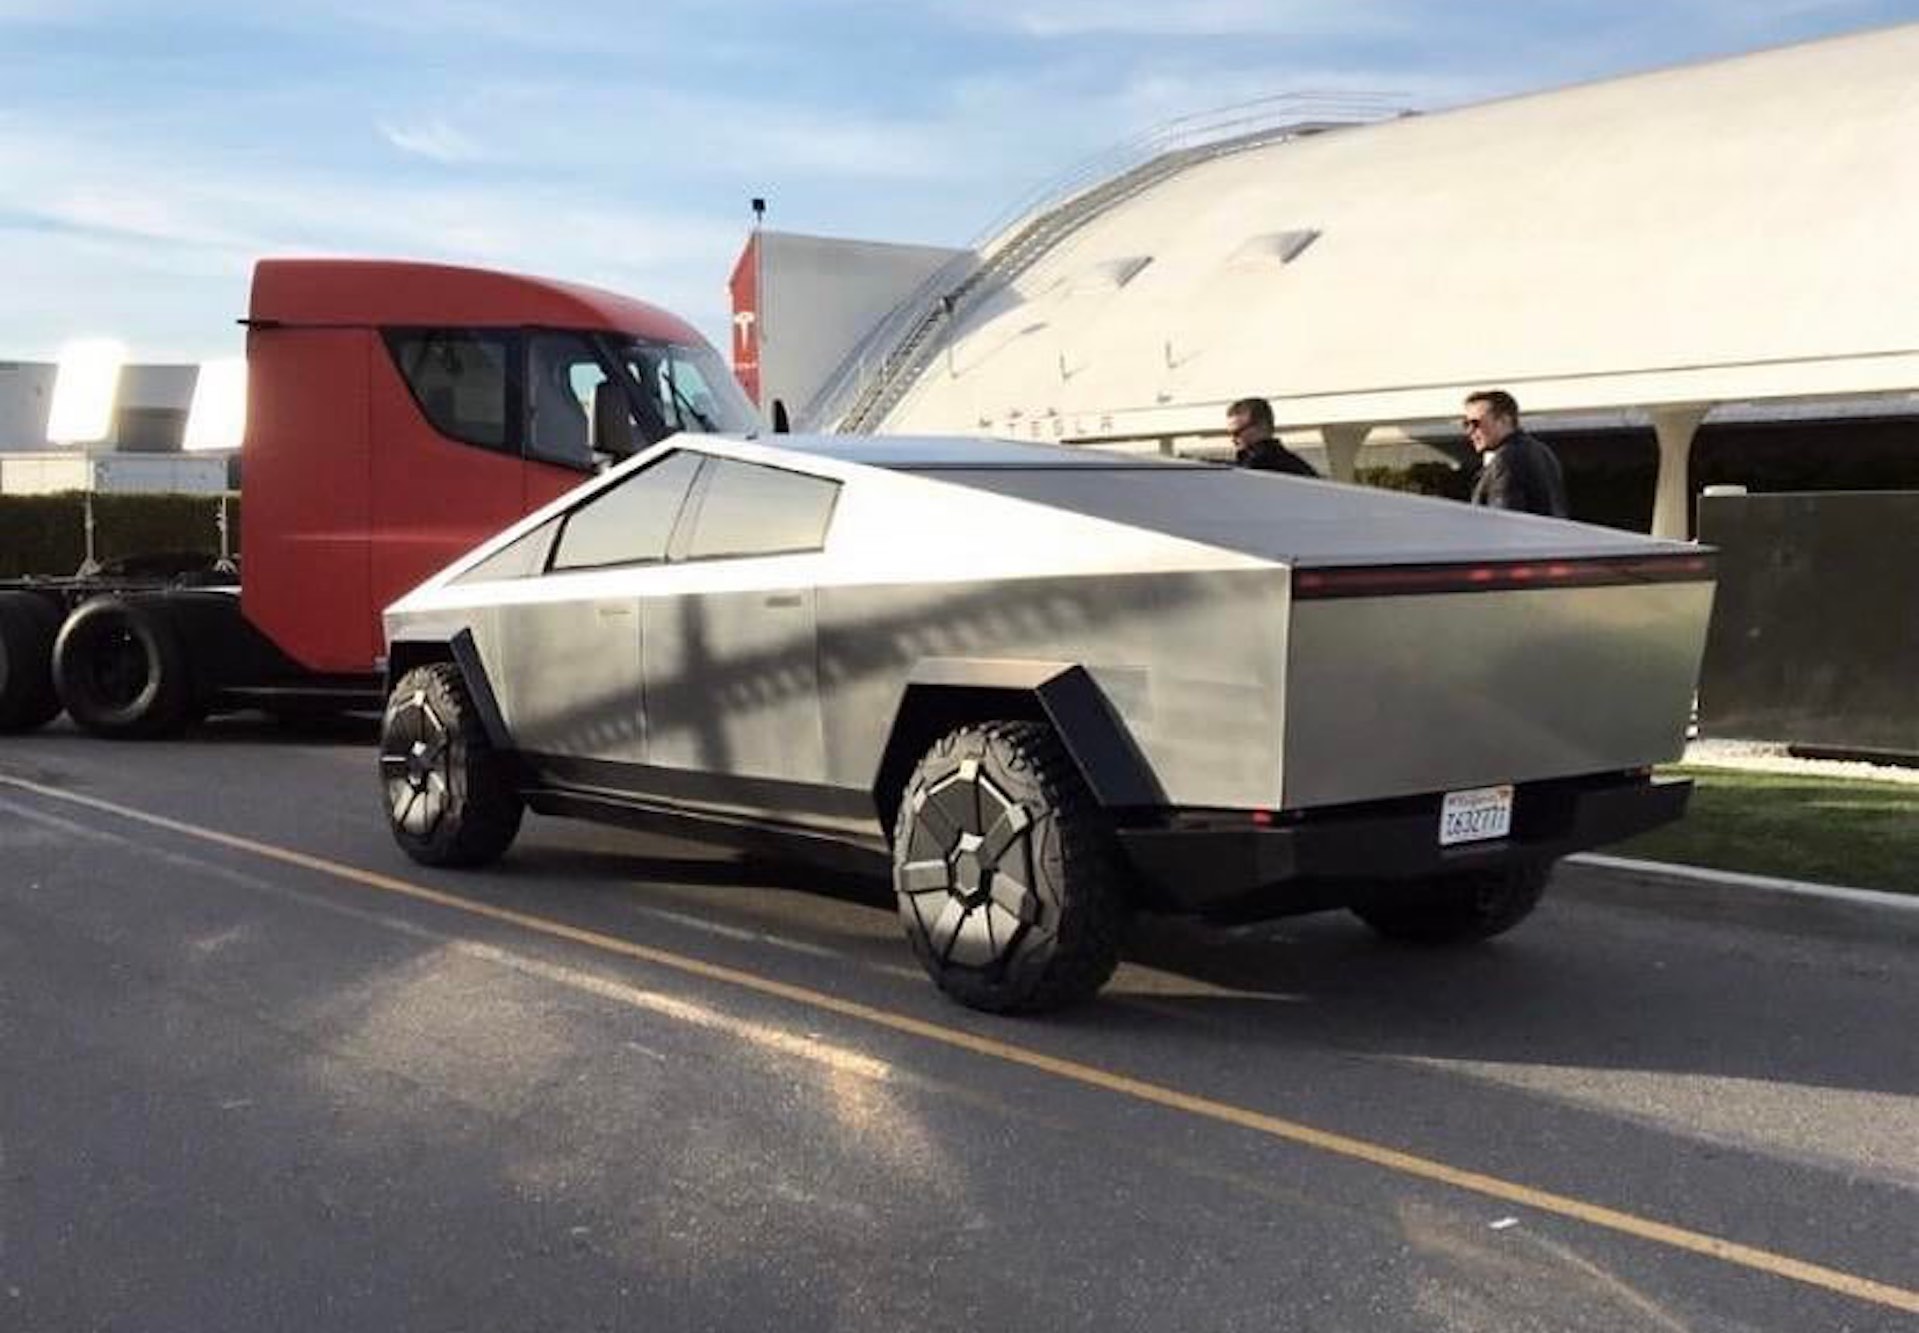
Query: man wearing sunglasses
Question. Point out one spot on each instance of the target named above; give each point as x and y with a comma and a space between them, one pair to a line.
1516, 471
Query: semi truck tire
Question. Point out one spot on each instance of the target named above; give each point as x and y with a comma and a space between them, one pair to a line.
1009, 881
451, 799
1458, 909
121, 669
28, 625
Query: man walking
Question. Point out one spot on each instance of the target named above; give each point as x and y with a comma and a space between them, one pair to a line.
1250, 422
1516, 471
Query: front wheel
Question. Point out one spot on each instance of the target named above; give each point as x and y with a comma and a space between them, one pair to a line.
1456, 909
1009, 882
450, 796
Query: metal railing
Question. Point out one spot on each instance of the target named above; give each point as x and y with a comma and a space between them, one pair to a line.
884, 365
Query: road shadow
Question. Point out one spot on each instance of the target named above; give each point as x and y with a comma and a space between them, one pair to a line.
1578, 985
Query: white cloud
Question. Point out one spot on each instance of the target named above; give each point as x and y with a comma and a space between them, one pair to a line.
641, 135
1202, 18
435, 139
120, 221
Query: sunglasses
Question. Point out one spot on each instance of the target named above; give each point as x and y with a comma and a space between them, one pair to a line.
1474, 423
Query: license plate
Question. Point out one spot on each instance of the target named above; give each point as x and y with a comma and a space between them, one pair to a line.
1476, 815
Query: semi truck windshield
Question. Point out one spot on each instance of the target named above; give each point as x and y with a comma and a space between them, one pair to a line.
690, 387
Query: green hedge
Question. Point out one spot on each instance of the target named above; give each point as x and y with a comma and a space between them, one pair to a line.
1598, 491
47, 534
1420, 478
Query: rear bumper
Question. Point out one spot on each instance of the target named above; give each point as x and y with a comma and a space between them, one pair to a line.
1222, 862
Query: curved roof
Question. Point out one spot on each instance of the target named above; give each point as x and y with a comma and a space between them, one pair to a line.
379, 291
1737, 230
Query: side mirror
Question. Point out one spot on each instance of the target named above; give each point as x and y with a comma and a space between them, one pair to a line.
781, 426
612, 420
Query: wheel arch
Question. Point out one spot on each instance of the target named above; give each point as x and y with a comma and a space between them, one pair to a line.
942, 694
404, 655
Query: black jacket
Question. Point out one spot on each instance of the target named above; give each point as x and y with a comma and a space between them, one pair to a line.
1269, 455
1521, 474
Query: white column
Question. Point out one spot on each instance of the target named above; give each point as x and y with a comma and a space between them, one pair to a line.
1342, 447
1672, 500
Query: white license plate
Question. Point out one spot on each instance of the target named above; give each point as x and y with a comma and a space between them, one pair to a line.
1476, 815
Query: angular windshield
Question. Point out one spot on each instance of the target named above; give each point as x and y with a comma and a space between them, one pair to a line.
689, 387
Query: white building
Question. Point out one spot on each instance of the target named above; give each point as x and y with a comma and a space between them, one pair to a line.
1710, 243
140, 451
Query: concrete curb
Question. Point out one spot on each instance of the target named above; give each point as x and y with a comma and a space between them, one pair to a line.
1697, 892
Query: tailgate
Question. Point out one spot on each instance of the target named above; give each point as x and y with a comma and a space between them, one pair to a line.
1437, 677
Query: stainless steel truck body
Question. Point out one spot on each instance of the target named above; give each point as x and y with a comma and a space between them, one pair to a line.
1052, 684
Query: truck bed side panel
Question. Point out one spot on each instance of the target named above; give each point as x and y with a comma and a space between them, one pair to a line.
1397, 695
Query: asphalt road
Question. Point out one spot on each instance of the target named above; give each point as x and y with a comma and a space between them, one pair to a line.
258, 1071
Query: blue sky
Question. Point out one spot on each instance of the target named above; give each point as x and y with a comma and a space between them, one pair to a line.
149, 152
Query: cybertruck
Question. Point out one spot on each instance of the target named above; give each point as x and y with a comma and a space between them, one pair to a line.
1050, 686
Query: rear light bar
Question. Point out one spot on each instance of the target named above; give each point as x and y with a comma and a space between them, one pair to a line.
1504, 576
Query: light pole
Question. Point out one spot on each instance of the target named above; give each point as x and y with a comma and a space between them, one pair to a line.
759, 299
86, 390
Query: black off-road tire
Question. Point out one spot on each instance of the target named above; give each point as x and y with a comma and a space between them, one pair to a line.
451, 798
1458, 909
29, 624
121, 669
1009, 881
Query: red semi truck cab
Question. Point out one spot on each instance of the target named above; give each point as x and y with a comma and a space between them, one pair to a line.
397, 413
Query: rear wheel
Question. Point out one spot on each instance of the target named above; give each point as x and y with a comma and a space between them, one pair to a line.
450, 796
121, 669
1455, 909
1009, 882
28, 625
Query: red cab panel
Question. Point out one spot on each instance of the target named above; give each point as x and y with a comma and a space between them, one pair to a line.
306, 512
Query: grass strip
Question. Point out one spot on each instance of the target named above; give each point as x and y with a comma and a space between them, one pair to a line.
1861, 834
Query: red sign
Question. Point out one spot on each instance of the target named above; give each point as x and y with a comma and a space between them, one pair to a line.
745, 285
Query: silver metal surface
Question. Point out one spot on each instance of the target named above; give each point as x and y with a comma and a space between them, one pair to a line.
1170, 585
1397, 695
1190, 662
732, 684
567, 673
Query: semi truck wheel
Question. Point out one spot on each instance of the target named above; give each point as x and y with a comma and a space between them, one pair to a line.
450, 796
121, 669
1009, 882
1459, 908
28, 626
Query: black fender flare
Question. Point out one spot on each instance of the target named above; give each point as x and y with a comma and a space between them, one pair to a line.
405, 654
943, 693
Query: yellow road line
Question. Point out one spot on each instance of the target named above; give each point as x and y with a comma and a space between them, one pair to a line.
1422, 1168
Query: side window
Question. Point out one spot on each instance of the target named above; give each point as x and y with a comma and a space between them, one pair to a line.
747, 509
461, 380
523, 559
564, 378
630, 523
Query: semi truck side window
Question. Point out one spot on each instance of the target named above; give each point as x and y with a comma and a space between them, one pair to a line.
462, 381
564, 376
630, 523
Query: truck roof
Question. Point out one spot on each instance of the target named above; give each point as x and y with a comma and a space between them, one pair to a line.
933, 453
362, 292
1268, 515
